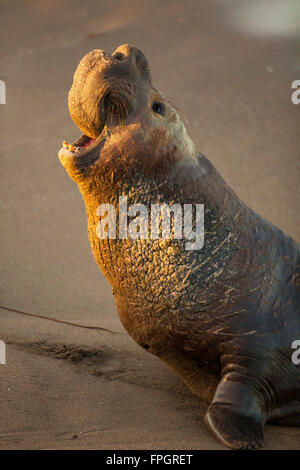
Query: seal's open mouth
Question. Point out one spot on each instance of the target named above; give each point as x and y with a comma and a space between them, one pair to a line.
80, 146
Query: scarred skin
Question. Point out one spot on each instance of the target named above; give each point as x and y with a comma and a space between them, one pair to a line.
223, 317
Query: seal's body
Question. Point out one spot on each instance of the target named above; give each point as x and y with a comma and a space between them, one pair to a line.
229, 309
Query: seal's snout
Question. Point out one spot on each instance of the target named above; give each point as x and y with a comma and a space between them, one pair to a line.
125, 62
105, 87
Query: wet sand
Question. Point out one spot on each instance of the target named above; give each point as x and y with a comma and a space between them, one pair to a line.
68, 387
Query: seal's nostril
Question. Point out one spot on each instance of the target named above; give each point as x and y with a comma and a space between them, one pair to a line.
119, 56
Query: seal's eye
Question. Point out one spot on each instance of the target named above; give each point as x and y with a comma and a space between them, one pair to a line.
158, 108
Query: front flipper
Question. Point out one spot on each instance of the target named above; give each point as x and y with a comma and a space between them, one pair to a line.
235, 415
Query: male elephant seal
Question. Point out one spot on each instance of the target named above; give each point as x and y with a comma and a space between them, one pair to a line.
229, 309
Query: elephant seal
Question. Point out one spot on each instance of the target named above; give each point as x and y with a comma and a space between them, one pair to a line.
224, 315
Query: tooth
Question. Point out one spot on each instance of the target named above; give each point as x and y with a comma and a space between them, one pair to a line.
65, 145
71, 148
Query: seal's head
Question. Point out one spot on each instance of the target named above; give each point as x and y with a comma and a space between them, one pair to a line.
125, 121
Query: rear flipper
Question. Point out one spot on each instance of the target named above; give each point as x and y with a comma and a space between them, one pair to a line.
235, 415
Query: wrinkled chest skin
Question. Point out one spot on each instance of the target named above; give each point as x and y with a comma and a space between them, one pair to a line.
223, 316
159, 287
240, 284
